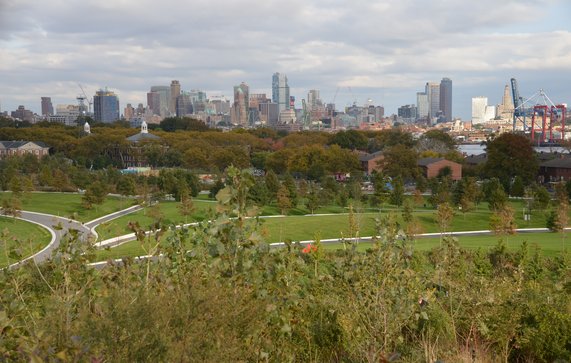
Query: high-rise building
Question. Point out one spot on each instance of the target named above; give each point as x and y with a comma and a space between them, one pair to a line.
480, 110
433, 92
47, 106
106, 106
174, 93
154, 102
407, 112
422, 106
313, 99
129, 112
280, 91
183, 105
241, 104
164, 100
446, 98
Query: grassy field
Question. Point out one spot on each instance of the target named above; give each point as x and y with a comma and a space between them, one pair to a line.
550, 244
298, 227
27, 237
69, 205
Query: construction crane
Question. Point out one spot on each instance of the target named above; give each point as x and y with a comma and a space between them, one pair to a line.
519, 108
89, 100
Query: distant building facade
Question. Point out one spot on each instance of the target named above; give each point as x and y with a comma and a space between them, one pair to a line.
446, 99
241, 105
280, 91
106, 106
47, 106
10, 148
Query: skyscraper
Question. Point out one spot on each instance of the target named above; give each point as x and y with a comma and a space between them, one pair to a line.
154, 102
241, 104
164, 100
313, 99
106, 106
422, 105
175, 92
280, 91
433, 93
183, 105
506, 108
481, 112
446, 98
47, 106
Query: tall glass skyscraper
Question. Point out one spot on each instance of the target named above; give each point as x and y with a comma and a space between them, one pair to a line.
446, 98
106, 106
280, 91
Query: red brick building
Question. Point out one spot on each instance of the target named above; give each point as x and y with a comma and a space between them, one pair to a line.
370, 162
431, 167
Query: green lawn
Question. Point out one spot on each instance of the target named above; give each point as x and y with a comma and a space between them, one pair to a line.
550, 244
332, 226
26, 237
169, 209
69, 205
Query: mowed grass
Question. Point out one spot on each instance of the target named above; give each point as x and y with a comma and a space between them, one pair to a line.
26, 237
69, 205
297, 228
550, 244
169, 210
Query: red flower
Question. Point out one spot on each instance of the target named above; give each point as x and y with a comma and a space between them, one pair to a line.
309, 248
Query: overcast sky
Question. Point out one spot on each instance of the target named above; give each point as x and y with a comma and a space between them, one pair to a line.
363, 49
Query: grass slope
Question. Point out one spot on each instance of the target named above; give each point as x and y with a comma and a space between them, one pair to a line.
69, 205
26, 237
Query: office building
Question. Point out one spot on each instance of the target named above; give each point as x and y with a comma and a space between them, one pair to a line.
47, 106
164, 93
184, 105
241, 105
129, 112
446, 98
481, 112
106, 106
22, 114
433, 92
422, 105
280, 91
407, 113
174, 93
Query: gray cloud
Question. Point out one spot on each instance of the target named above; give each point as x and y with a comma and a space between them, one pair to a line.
384, 50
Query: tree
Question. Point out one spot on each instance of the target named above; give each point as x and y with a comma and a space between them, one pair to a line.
186, 206
495, 194
289, 183
126, 186
284, 202
517, 188
351, 139
502, 221
313, 200
541, 197
511, 155
444, 215
400, 160
218, 186
94, 194
259, 193
397, 194
272, 184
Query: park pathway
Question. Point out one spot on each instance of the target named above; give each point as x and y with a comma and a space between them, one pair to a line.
60, 226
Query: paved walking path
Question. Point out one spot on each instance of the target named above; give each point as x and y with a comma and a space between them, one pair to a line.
60, 226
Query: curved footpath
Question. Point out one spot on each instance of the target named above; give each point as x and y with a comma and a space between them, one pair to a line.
60, 226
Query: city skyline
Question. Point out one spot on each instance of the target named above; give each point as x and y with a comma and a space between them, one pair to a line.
47, 49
